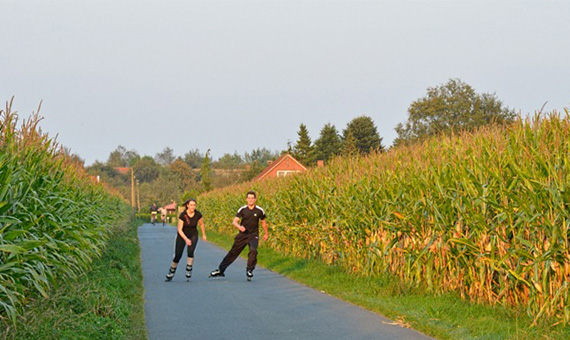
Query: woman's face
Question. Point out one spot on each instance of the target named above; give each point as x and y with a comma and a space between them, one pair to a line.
191, 206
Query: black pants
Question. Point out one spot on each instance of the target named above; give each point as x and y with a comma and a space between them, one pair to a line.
180, 243
240, 241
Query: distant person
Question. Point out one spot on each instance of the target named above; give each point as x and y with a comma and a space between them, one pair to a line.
163, 213
153, 213
187, 235
248, 227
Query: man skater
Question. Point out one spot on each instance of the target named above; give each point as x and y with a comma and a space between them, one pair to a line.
153, 212
250, 215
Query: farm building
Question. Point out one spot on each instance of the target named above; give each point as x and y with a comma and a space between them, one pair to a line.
283, 166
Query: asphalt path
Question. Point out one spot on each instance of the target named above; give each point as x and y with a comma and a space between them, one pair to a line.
269, 307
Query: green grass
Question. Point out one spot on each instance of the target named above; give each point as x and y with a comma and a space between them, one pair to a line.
105, 303
444, 317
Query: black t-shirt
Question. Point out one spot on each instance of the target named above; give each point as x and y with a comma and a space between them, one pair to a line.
190, 223
250, 218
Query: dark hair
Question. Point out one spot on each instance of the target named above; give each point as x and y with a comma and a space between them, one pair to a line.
185, 204
251, 193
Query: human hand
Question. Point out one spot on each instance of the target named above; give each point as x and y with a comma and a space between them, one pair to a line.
188, 242
265, 236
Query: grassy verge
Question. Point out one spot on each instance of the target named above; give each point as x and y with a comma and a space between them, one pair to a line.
444, 316
105, 303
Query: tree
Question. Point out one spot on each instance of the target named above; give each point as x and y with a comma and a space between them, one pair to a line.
252, 170
163, 190
205, 172
131, 157
166, 157
183, 174
329, 143
255, 162
194, 158
261, 155
116, 158
229, 161
146, 169
365, 134
349, 145
192, 193
121, 157
108, 174
289, 147
303, 150
451, 107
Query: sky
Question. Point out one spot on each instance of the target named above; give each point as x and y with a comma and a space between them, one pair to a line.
233, 76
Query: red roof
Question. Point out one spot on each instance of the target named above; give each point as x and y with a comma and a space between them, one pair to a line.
276, 163
123, 171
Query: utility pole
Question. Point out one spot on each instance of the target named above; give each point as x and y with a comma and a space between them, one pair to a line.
138, 197
133, 206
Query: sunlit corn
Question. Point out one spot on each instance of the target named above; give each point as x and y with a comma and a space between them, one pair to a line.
484, 214
53, 219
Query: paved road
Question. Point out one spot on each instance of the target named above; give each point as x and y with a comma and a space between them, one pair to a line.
270, 307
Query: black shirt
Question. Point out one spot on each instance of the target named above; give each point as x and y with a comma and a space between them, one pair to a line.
190, 223
250, 218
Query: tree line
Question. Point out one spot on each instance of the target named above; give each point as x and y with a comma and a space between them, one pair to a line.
448, 108
359, 137
165, 177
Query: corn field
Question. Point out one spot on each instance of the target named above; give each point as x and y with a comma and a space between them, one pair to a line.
53, 219
483, 214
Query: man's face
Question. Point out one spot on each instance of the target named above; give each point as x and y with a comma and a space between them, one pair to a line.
250, 199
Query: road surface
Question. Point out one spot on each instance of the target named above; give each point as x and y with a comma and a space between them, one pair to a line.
270, 307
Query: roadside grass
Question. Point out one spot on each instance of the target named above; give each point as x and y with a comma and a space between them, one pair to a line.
105, 303
444, 316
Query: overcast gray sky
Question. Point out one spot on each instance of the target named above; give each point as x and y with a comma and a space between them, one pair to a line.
238, 75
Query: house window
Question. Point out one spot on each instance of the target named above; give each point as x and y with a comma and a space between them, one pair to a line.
283, 173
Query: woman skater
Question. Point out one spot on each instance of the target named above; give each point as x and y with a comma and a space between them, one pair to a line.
187, 235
